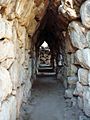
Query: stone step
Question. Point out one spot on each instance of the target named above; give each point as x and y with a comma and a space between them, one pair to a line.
44, 65
45, 69
46, 74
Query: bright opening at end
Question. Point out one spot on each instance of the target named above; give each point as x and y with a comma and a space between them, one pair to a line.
44, 44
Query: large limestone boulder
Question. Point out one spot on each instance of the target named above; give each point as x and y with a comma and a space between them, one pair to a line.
6, 84
5, 29
86, 100
7, 54
76, 32
83, 76
85, 13
8, 111
83, 57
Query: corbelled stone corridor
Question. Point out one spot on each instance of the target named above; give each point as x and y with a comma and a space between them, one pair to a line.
48, 102
44, 59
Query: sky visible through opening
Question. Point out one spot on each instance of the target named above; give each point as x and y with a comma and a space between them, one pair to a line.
44, 44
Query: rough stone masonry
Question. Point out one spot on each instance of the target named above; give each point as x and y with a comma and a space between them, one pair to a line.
19, 19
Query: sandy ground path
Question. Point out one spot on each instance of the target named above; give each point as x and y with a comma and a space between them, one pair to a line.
48, 102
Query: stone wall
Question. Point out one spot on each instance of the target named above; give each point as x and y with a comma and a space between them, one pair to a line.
18, 21
45, 56
78, 50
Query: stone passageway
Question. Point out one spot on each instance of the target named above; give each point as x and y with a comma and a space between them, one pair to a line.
47, 101
29, 92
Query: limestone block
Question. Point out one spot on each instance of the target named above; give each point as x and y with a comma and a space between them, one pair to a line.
67, 9
22, 75
6, 84
71, 59
83, 76
9, 10
7, 54
22, 55
89, 78
76, 32
30, 69
27, 88
78, 90
16, 43
7, 63
86, 100
4, 2
27, 43
31, 27
69, 46
8, 111
83, 57
21, 36
14, 73
80, 102
88, 38
72, 80
5, 29
85, 13
69, 93
23, 10
71, 70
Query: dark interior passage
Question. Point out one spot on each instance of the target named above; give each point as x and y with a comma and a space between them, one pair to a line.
53, 34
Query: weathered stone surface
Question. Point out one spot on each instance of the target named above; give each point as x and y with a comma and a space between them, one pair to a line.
23, 10
7, 53
83, 57
27, 89
83, 76
89, 78
69, 46
71, 70
80, 102
8, 111
4, 2
71, 59
19, 99
22, 75
76, 32
69, 93
85, 13
78, 90
14, 73
88, 38
6, 84
72, 80
86, 100
67, 9
5, 29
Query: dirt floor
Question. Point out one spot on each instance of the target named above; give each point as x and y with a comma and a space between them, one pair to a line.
48, 102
